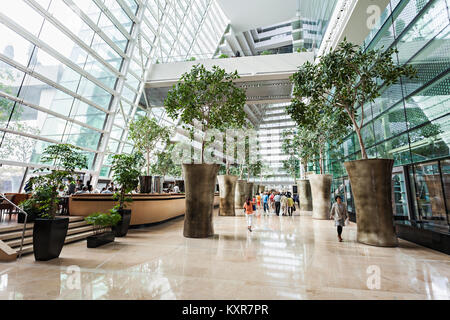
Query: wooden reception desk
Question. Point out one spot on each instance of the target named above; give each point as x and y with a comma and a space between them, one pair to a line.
145, 208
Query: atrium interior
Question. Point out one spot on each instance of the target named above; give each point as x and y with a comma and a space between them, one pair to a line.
323, 182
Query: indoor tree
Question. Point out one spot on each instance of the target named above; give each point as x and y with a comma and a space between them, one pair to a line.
207, 97
206, 100
126, 171
290, 148
146, 133
164, 164
317, 127
348, 78
63, 160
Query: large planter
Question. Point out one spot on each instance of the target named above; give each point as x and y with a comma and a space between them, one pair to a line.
121, 228
371, 182
227, 189
240, 194
48, 237
200, 184
21, 217
98, 240
250, 190
321, 194
304, 195
145, 183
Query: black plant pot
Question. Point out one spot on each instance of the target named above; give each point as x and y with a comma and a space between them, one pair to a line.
121, 229
145, 183
100, 239
48, 237
21, 217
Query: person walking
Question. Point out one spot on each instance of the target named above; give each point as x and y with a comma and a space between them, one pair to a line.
248, 207
291, 205
266, 203
258, 203
272, 202
277, 199
284, 205
340, 214
296, 200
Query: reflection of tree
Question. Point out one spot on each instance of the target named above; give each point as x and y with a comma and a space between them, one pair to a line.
6, 77
18, 147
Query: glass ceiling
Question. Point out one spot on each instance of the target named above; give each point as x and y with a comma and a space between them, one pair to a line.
73, 72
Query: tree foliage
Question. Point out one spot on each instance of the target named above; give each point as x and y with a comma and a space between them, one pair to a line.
146, 133
209, 98
64, 159
164, 164
343, 82
126, 171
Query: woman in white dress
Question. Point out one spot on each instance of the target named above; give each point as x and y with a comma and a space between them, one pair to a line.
340, 214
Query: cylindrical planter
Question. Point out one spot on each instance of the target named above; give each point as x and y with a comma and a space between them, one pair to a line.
227, 189
304, 195
157, 184
121, 228
240, 194
250, 190
145, 183
371, 182
48, 237
200, 183
321, 194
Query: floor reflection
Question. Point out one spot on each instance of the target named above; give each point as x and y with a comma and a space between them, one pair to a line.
283, 258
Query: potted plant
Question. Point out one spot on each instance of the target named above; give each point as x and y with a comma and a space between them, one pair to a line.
290, 148
146, 133
165, 164
102, 225
49, 231
210, 99
227, 178
351, 77
253, 170
319, 127
306, 151
241, 190
126, 171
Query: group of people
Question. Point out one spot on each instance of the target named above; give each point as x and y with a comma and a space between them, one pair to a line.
80, 188
269, 202
274, 202
279, 202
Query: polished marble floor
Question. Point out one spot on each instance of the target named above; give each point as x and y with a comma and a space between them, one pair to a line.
283, 258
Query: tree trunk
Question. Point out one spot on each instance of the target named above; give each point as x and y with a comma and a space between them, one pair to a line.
361, 144
321, 161
148, 162
305, 168
203, 150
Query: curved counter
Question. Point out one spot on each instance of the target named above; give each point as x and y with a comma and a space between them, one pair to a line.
145, 208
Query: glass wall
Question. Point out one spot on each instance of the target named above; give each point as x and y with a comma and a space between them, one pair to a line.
410, 122
73, 72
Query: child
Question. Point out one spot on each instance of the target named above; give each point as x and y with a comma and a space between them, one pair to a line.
258, 203
248, 207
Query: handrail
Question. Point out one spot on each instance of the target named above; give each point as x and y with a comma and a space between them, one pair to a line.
24, 223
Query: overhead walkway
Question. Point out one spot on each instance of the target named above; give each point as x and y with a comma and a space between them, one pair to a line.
265, 78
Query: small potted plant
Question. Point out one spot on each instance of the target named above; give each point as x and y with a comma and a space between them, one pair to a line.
126, 170
49, 231
102, 224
